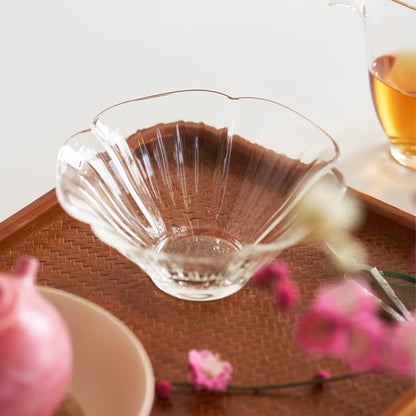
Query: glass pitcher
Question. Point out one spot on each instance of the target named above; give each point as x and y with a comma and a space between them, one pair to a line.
390, 31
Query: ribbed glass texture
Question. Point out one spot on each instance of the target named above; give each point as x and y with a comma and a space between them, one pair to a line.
195, 187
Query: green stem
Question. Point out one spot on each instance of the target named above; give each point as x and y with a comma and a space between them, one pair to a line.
402, 276
259, 388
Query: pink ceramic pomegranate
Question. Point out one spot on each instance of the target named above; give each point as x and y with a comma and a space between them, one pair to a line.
35, 346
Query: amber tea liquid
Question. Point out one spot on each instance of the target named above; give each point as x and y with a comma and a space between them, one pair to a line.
393, 86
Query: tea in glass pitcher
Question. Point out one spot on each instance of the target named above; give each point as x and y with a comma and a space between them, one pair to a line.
393, 87
390, 29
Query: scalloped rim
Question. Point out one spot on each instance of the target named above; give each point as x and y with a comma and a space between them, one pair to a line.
273, 247
163, 94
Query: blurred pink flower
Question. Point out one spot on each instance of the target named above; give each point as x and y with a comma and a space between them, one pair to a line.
348, 298
321, 330
322, 375
366, 341
343, 321
285, 294
277, 270
206, 370
163, 389
403, 348
325, 327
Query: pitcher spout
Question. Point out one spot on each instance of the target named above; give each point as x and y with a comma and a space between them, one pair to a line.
357, 5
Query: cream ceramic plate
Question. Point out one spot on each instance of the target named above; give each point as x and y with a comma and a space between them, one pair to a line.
112, 373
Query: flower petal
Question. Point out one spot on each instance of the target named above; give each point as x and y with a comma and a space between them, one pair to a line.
403, 348
206, 370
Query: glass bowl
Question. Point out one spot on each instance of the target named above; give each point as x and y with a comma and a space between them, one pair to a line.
195, 187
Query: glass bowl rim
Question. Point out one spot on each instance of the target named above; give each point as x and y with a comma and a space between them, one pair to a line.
246, 250
229, 97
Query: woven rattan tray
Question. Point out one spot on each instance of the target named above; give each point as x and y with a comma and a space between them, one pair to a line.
244, 329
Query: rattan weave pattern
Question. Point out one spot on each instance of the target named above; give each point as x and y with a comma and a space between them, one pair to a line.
244, 328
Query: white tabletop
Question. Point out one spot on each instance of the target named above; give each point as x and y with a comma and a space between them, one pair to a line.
64, 60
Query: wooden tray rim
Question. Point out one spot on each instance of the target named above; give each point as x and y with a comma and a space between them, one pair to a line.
31, 218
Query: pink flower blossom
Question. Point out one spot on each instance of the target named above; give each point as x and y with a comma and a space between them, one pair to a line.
325, 326
403, 348
348, 298
322, 375
276, 276
285, 294
365, 344
321, 330
206, 370
277, 270
343, 321
163, 389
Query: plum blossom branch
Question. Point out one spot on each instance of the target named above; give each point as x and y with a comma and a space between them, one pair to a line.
258, 388
342, 321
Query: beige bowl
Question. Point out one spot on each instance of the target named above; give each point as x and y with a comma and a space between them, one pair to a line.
112, 373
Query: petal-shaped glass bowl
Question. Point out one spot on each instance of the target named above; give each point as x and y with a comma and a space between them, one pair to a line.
195, 187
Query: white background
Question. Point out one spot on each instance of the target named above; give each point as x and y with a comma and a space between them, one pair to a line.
62, 61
